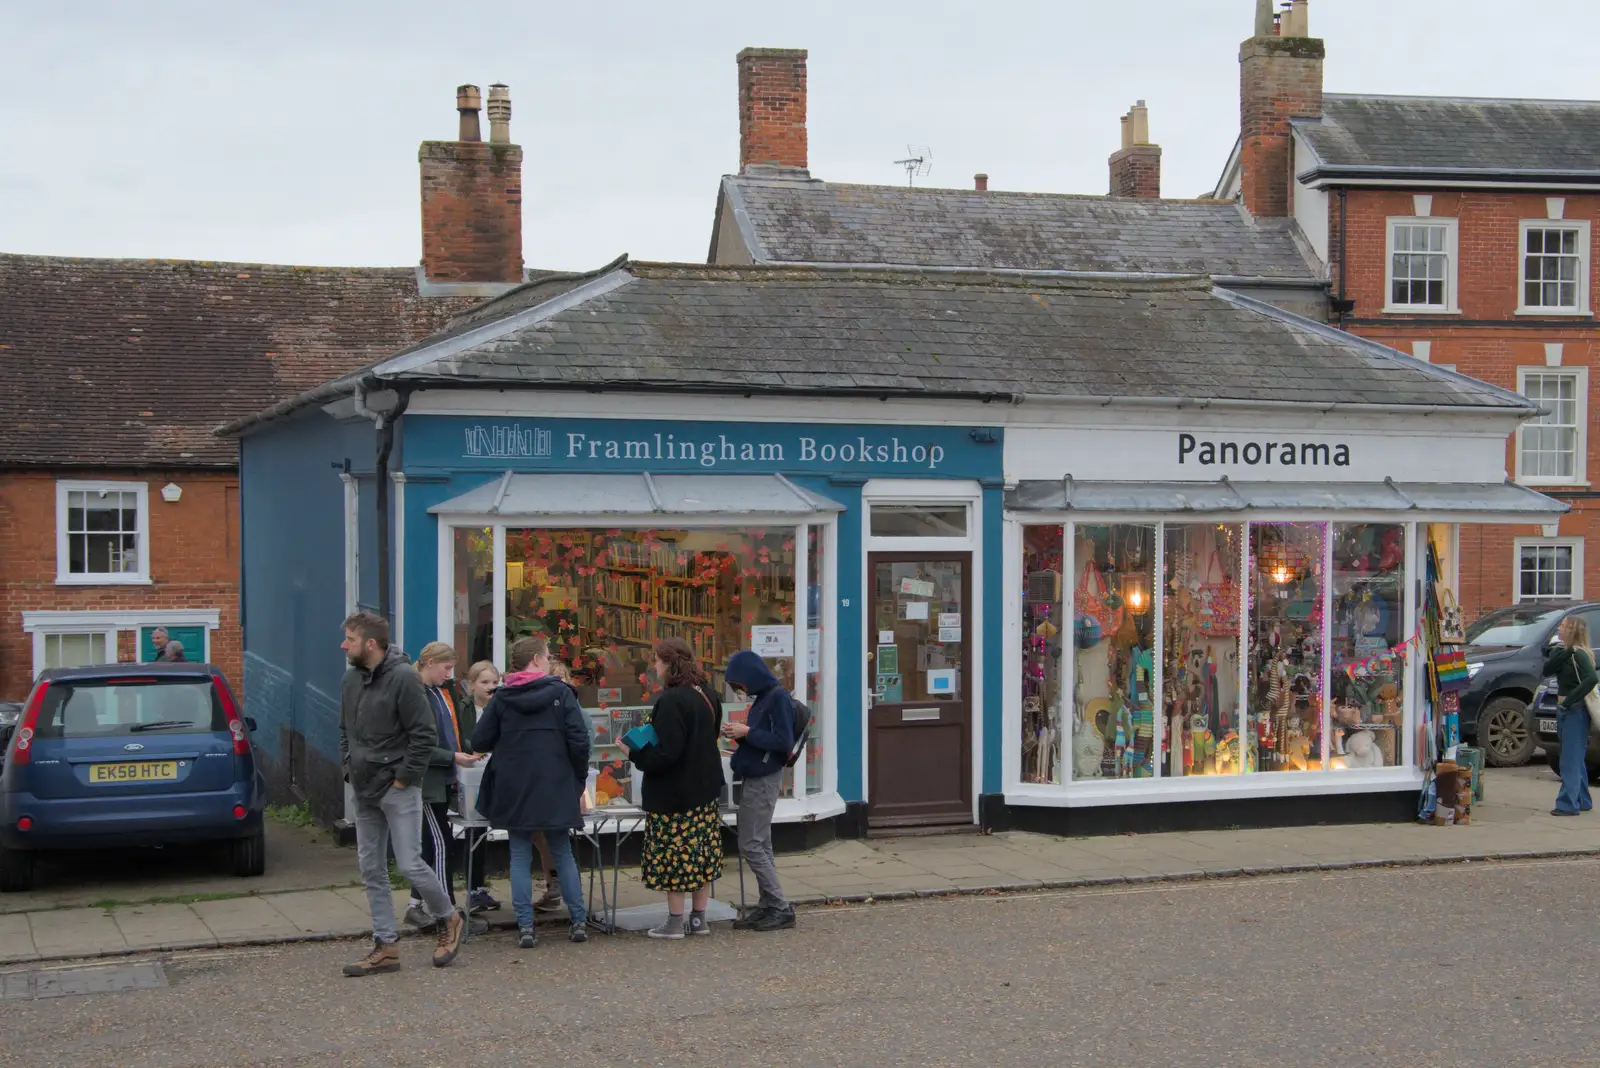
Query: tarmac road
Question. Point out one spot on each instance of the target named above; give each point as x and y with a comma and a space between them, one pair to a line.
1468, 964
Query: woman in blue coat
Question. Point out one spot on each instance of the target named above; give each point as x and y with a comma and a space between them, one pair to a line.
538, 738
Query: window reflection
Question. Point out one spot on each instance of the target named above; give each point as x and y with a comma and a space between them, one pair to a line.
1200, 649
1368, 621
1113, 734
1042, 643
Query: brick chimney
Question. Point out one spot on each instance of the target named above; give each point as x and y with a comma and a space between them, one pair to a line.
772, 108
1136, 166
1280, 78
472, 197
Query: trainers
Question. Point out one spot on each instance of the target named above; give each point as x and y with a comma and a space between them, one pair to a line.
748, 921
672, 928
698, 925
579, 932
417, 916
551, 901
775, 920
527, 937
451, 930
480, 900
385, 957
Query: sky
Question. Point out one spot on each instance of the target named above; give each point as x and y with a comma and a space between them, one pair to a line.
287, 132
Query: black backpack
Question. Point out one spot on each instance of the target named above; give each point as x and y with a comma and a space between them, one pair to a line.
802, 731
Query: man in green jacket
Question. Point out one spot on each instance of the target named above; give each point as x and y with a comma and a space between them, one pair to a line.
386, 736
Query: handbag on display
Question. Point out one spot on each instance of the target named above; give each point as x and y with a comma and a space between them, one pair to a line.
1450, 665
1219, 601
1089, 623
1452, 627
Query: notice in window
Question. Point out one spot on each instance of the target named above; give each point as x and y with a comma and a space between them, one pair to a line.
771, 642
916, 609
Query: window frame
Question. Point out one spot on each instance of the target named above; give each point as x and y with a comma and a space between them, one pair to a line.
139, 576
1452, 244
1580, 466
1573, 542
1581, 226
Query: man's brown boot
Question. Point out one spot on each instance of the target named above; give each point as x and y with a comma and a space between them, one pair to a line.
385, 957
551, 901
451, 930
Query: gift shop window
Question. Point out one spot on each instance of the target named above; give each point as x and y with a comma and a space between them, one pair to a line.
603, 598
1285, 661
1113, 722
1201, 595
1043, 640
1368, 645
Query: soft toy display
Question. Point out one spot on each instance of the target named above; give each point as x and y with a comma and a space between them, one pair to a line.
1361, 751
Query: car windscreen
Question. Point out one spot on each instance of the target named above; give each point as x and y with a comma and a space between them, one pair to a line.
103, 708
1520, 625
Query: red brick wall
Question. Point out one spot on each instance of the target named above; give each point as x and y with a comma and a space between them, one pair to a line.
193, 553
1280, 78
772, 107
1136, 172
471, 211
1487, 340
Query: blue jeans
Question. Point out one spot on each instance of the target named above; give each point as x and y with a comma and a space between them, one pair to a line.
1572, 728
522, 854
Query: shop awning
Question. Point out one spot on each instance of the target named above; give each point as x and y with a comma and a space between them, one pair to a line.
1483, 501
638, 494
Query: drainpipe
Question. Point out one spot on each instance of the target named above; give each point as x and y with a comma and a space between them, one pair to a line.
384, 407
1344, 304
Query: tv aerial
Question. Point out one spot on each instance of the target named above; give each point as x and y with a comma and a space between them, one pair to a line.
918, 162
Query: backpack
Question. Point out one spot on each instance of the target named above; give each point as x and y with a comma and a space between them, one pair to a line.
802, 731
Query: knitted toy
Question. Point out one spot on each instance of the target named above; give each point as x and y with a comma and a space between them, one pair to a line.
1361, 751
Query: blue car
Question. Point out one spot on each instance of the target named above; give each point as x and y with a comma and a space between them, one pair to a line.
129, 755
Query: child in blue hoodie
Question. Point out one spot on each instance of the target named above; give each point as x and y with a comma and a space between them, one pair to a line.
764, 741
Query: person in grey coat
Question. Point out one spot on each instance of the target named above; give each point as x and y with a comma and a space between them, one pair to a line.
386, 735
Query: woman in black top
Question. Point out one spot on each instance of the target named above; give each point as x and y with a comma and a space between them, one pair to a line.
1572, 664
683, 783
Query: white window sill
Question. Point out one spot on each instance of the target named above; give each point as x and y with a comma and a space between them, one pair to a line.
104, 580
1553, 483
1555, 313
1419, 309
1100, 793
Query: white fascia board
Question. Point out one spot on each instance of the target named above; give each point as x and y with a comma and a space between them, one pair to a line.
121, 619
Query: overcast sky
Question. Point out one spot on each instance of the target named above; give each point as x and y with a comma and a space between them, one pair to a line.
287, 131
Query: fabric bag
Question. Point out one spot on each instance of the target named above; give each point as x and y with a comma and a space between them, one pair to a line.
1090, 608
1219, 601
1591, 700
1450, 665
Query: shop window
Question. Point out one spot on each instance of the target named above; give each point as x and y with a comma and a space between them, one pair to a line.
1551, 448
602, 598
919, 521
1113, 734
473, 591
1285, 685
1549, 569
101, 531
1201, 597
1043, 639
815, 696
1367, 629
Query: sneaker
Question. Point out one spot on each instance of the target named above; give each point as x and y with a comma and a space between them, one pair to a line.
527, 938
385, 957
698, 926
748, 921
672, 928
451, 930
480, 900
776, 920
579, 932
417, 916
551, 901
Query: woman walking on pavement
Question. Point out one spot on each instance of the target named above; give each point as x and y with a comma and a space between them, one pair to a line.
539, 740
682, 783
1572, 664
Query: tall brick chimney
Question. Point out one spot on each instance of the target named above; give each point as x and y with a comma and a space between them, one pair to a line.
1136, 166
1280, 78
772, 108
472, 197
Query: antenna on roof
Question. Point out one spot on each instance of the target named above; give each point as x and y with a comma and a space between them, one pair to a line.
918, 162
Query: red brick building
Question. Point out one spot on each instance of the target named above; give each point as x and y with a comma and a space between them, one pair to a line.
119, 506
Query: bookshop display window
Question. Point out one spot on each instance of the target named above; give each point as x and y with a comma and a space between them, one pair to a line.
814, 694
1042, 644
1368, 620
473, 594
1114, 663
1201, 598
602, 598
1287, 633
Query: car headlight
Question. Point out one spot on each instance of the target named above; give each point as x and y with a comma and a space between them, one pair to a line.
1473, 669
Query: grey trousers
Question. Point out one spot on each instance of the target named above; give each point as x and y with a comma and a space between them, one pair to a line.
394, 821
756, 802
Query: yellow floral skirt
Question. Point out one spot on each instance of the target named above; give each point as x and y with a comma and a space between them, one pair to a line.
682, 850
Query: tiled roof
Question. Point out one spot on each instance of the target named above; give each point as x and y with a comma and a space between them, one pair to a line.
135, 362
801, 221
926, 333
1453, 134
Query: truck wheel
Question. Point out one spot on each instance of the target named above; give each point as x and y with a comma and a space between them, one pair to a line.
1505, 733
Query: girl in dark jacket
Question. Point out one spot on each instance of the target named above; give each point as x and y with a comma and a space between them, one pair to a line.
539, 740
683, 781
1572, 664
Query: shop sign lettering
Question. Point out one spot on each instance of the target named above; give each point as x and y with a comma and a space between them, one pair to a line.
722, 450
1229, 451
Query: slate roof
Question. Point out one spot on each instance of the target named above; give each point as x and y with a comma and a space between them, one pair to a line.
121, 363
927, 333
802, 221
1383, 134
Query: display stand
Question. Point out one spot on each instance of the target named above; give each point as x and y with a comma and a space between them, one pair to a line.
461, 826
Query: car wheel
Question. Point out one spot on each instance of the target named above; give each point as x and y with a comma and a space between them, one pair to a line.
16, 871
1505, 733
250, 855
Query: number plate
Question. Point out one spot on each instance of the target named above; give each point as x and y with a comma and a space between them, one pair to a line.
141, 771
1547, 726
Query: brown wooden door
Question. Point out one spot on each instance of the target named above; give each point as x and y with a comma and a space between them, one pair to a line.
919, 736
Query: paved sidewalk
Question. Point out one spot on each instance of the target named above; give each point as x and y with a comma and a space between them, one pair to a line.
1512, 823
